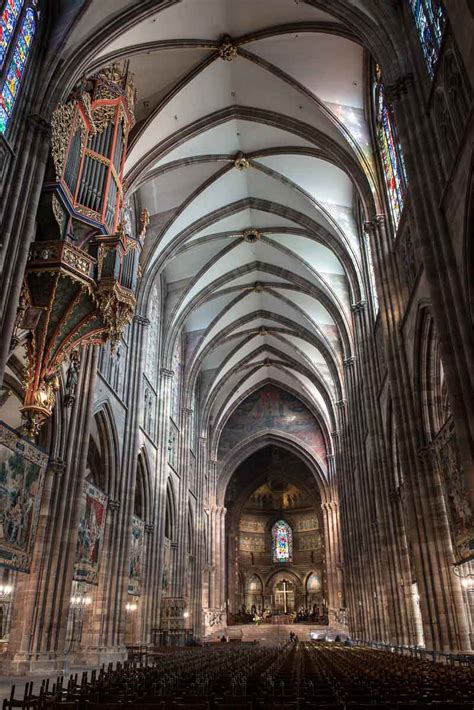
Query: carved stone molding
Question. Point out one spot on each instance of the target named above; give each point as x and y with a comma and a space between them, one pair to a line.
349, 361
149, 528
38, 122
141, 320
241, 162
164, 372
399, 88
113, 505
359, 306
57, 467
341, 403
251, 235
227, 50
427, 453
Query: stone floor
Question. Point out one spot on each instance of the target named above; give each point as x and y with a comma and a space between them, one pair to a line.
19, 682
269, 634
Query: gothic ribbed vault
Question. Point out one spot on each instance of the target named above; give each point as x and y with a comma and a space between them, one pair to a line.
252, 154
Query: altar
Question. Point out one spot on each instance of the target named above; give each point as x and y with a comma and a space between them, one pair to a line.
281, 619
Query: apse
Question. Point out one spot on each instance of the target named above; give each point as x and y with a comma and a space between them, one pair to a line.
276, 552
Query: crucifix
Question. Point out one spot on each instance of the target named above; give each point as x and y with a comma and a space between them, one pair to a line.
285, 591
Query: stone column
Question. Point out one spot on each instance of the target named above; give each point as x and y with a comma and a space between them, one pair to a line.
147, 592
218, 554
95, 649
444, 624
40, 610
448, 304
18, 225
159, 619
331, 536
202, 541
155, 573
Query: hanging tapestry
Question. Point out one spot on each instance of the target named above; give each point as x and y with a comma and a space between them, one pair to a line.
460, 514
90, 535
22, 470
136, 556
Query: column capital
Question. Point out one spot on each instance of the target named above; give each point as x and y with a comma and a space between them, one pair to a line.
141, 320
330, 457
349, 361
203, 440
188, 412
336, 433
113, 505
359, 306
38, 122
164, 372
426, 453
341, 403
149, 528
394, 495
399, 87
57, 467
216, 509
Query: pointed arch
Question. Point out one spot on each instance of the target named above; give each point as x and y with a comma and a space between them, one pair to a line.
109, 445
191, 538
430, 385
142, 501
170, 511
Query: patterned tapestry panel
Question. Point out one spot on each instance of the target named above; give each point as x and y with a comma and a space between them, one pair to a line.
90, 536
136, 556
22, 470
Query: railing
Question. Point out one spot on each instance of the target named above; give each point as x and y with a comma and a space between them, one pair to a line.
462, 659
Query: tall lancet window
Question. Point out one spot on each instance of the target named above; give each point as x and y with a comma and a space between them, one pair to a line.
17, 28
430, 20
390, 151
282, 542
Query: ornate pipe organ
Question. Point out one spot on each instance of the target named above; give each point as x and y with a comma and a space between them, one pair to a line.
82, 272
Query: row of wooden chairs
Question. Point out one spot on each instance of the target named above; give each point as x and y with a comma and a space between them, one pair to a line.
327, 676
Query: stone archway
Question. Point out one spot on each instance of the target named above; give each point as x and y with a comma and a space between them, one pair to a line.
271, 488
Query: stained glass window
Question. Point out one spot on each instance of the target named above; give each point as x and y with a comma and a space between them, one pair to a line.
11, 15
430, 20
282, 538
390, 152
8, 20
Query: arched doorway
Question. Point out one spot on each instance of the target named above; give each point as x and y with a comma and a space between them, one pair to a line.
274, 535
